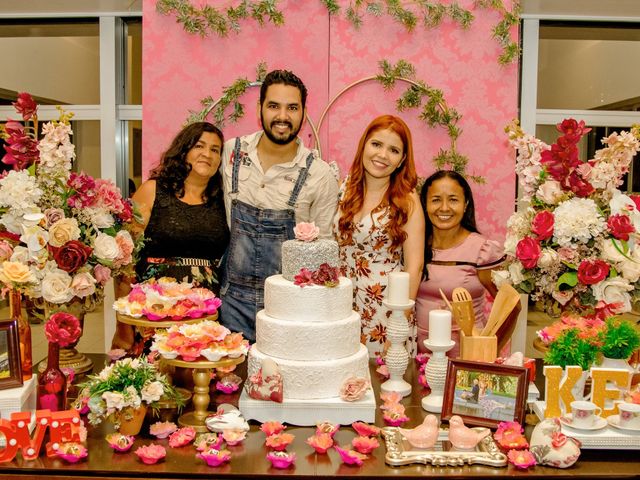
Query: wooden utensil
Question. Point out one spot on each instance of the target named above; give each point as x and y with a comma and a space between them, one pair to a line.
462, 308
504, 303
446, 300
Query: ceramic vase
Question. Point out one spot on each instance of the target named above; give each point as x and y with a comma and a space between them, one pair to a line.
131, 420
52, 383
24, 332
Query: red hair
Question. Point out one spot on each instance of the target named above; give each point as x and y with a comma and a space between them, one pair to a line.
401, 183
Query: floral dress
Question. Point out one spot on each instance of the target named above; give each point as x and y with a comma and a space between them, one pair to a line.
368, 263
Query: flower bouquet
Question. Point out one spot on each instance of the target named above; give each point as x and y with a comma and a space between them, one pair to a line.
157, 299
64, 234
575, 245
122, 388
207, 338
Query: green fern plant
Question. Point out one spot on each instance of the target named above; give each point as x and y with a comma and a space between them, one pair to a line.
570, 349
619, 339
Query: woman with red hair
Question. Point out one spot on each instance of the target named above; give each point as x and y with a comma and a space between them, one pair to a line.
380, 225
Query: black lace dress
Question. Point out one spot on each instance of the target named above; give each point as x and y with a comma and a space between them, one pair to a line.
184, 241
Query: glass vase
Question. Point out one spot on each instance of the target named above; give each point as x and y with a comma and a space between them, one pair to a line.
24, 332
52, 383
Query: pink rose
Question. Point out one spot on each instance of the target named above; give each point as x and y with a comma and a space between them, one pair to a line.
306, 232
102, 274
6, 250
83, 285
567, 254
592, 272
542, 225
125, 247
354, 388
52, 215
620, 226
528, 252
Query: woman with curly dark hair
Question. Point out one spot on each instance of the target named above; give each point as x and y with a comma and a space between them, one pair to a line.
380, 225
182, 213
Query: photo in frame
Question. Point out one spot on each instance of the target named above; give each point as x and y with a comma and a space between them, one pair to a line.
10, 370
485, 394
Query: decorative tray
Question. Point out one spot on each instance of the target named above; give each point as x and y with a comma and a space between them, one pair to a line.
401, 452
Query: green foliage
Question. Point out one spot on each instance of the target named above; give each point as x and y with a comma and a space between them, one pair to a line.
569, 349
332, 6
208, 19
619, 339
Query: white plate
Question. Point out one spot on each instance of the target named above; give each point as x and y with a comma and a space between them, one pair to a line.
614, 421
599, 423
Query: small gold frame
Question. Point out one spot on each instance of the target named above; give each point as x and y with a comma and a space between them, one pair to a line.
401, 452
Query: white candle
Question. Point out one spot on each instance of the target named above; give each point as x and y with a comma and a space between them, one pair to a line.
440, 327
398, 289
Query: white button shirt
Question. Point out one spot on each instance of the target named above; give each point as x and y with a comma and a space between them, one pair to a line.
317, 200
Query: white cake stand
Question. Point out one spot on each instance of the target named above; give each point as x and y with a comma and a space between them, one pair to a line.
436, 373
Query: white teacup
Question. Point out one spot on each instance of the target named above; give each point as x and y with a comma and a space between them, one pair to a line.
584, 414
629, 415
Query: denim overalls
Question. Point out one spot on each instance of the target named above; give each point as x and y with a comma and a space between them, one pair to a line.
254, 252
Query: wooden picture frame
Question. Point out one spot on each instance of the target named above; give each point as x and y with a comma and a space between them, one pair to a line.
10, 367
485, 394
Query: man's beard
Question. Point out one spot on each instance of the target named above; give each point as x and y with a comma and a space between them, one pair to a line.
280, 141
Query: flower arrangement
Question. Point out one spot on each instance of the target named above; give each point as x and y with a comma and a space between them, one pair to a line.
575, 246
124, 386
207, 338
325, 276
64, 234
157, 299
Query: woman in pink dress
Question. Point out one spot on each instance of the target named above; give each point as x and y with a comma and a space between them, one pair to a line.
455, 254
380, 225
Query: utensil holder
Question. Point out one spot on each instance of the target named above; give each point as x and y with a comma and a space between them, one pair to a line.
478, 348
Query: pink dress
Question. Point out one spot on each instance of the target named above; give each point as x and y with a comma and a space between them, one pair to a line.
458, 269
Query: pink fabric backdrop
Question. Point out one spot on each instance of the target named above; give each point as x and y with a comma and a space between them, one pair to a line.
328, 54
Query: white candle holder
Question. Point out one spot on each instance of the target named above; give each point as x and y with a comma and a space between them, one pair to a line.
436, 373
397, 357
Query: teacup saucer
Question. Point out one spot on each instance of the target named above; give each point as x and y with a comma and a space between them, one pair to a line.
598, 424
614, 421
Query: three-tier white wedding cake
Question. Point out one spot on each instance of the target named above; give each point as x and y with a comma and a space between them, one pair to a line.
311, 332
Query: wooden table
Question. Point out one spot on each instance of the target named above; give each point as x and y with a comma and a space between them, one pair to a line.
248, 459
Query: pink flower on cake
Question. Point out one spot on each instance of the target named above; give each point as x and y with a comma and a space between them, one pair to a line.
350, 457
354, 388
279, 441
365, 430
306, 232
272, 428
321, 442
364, 444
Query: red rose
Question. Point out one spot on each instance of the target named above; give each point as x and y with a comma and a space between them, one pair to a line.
528, 252
72, 255
592, 272
62, 328
620, 226
542, 225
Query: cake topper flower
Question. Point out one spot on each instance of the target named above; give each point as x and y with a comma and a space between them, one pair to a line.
325, 276
162, 429
150, 454
120, 442
72, 452
62, 328
279, 441
354, 388
272, 428
522, 459
181, 437
306, 232
321, 442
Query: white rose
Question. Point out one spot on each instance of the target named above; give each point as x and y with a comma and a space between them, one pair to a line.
63, 230
510, 244
499, 277
114, 400
614, 291
515, 272
20, 254
56, 287
549, 192
630, 269
152, 391
548, 257
610, 253
83, 285
105, 247
101, 218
